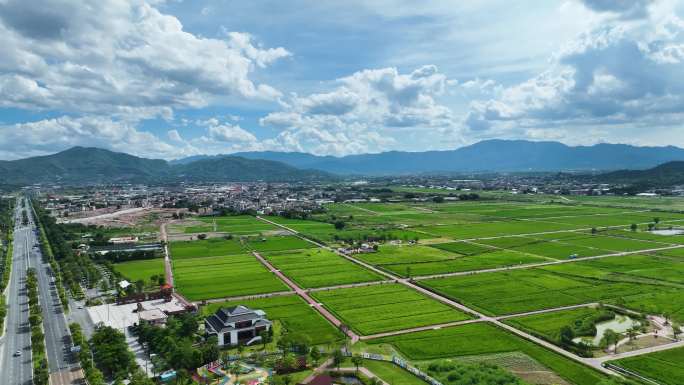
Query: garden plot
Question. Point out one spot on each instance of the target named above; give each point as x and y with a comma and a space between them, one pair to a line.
224, 276
319, 268
387, 307
482, 339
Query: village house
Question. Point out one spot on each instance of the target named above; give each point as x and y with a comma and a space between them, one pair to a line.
237, 325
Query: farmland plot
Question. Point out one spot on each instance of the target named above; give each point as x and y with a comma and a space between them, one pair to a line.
213, 247
224, 276
665, 367
387, 307
141, 269
318, 268
484, 339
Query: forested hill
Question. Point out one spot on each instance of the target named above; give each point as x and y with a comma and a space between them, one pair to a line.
87, 165
667, 174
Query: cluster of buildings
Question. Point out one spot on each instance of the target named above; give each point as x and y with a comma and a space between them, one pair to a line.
262, 198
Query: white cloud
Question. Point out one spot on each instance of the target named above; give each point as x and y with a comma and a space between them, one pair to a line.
364, 112
120, 57
50, 135
174, 136
619, 75
229, 133
242, 42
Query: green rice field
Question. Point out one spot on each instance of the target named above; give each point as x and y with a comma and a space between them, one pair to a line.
498, 257
665, 367
381, 308
481, 339
141, 269
318, 268
224, 276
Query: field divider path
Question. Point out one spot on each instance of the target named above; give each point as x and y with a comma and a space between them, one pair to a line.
482, 317
540, 264
544, 311
616, 227
168, 271
362, 209
246, 297
349, 285
421, 329
633, 353
302, 293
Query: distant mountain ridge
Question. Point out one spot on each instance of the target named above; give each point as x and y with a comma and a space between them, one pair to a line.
486, 156
88, 165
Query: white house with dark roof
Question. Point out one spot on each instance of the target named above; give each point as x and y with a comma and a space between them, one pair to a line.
237, 325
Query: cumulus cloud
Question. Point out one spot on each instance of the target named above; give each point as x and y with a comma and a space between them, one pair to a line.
174, 136
229, 133
619, 74
120, 57
363, 112
242, 42
49, 135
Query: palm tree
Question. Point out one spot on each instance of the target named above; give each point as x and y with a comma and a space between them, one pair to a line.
357, 361
610, 338
676, 331
337, 358
633, 332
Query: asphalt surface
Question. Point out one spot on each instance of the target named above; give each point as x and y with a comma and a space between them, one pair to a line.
17, 370
57, 336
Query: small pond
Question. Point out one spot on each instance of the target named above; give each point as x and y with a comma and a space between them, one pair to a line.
619, 324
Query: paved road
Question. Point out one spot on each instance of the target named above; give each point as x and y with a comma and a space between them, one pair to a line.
62, 365
17, 337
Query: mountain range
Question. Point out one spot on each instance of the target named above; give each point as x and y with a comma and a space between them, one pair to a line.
485, 156
84, 165
88, 165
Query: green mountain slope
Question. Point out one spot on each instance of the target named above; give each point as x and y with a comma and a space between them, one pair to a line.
87, 165
233, 168
666, 174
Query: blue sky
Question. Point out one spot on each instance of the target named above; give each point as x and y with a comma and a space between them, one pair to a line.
175, 78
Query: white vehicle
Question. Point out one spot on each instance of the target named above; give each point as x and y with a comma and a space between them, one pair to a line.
17, 353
